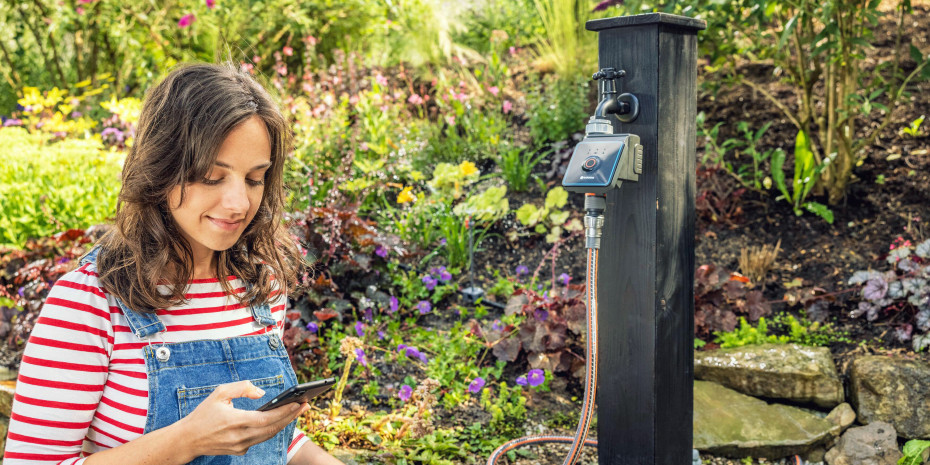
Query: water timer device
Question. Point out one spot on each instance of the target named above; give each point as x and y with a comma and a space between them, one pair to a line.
601, 162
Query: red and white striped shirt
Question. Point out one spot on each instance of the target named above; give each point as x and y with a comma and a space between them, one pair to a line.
82, 383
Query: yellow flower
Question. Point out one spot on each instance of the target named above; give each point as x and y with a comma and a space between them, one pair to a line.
405, 195
468, 168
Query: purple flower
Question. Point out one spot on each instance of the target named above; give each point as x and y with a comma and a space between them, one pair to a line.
312, 327
423, 358
401, 347
360, 329
522, 270
412, 352
62, 260
369, 316
394, 304
211, 3
541, 314
565, 278
430, 282
476, 385
424, 307
496, 326
381, 335
186, 20
12, 122
441, 273
521, 380
381, 252
405, 392
535, 377
21, 291
360, 354
442, 241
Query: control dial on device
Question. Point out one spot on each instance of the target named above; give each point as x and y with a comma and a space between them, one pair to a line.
590, 163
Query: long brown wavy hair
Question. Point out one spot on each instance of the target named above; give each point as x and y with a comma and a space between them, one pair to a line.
184, 121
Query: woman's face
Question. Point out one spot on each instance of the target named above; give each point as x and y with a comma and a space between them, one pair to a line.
217, 209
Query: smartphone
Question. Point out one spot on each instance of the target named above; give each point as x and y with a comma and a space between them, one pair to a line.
300, 393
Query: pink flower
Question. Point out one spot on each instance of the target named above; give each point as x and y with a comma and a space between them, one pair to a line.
493, 90
288, 51
210, 3
451, 120
256, 59
462, 84
415, 99
79, 10
513, 50
310, 40
247, 67
507, 106
461, 97
186, 20
381, 80
85, 2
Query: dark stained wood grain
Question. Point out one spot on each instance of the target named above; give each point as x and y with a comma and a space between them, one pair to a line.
646, 299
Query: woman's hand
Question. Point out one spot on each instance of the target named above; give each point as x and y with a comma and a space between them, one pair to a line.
215, 427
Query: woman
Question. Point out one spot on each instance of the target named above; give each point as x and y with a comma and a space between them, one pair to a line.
161, 345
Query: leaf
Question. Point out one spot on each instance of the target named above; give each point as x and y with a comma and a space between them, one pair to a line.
875, 289
803, 162
820, 210
915, 54
507, 349
789, 26
558, 217
778, 162
862, 276
528, 214
556, 198
923, 249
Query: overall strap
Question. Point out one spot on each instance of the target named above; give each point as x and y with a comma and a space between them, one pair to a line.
142, 324
261, 313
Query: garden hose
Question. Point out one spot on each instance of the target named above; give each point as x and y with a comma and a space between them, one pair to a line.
593, 222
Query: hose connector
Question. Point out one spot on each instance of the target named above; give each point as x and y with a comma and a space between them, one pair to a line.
594, 206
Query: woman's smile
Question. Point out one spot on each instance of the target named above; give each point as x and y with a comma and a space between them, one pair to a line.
226, 225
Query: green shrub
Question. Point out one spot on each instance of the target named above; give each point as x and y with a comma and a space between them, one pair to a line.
45, 189
557, 108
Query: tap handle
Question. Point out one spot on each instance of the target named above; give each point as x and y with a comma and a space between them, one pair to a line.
609, 74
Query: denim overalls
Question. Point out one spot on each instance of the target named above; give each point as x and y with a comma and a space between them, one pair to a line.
181, 375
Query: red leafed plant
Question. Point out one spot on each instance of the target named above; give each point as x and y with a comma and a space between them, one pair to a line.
720, 297
551, 335
26, 276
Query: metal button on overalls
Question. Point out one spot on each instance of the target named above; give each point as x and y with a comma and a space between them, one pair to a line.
274, 342
162, 353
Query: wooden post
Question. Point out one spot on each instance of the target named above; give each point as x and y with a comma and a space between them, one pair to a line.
646, 294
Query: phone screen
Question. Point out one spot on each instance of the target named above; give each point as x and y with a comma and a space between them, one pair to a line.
300, 393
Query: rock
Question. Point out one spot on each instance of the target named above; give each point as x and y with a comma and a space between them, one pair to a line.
892, 390
4, 427
732, 424
873, 444
791, 372
842, 416
7, 373
6, 397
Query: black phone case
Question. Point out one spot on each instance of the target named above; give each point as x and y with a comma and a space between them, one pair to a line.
299, 393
